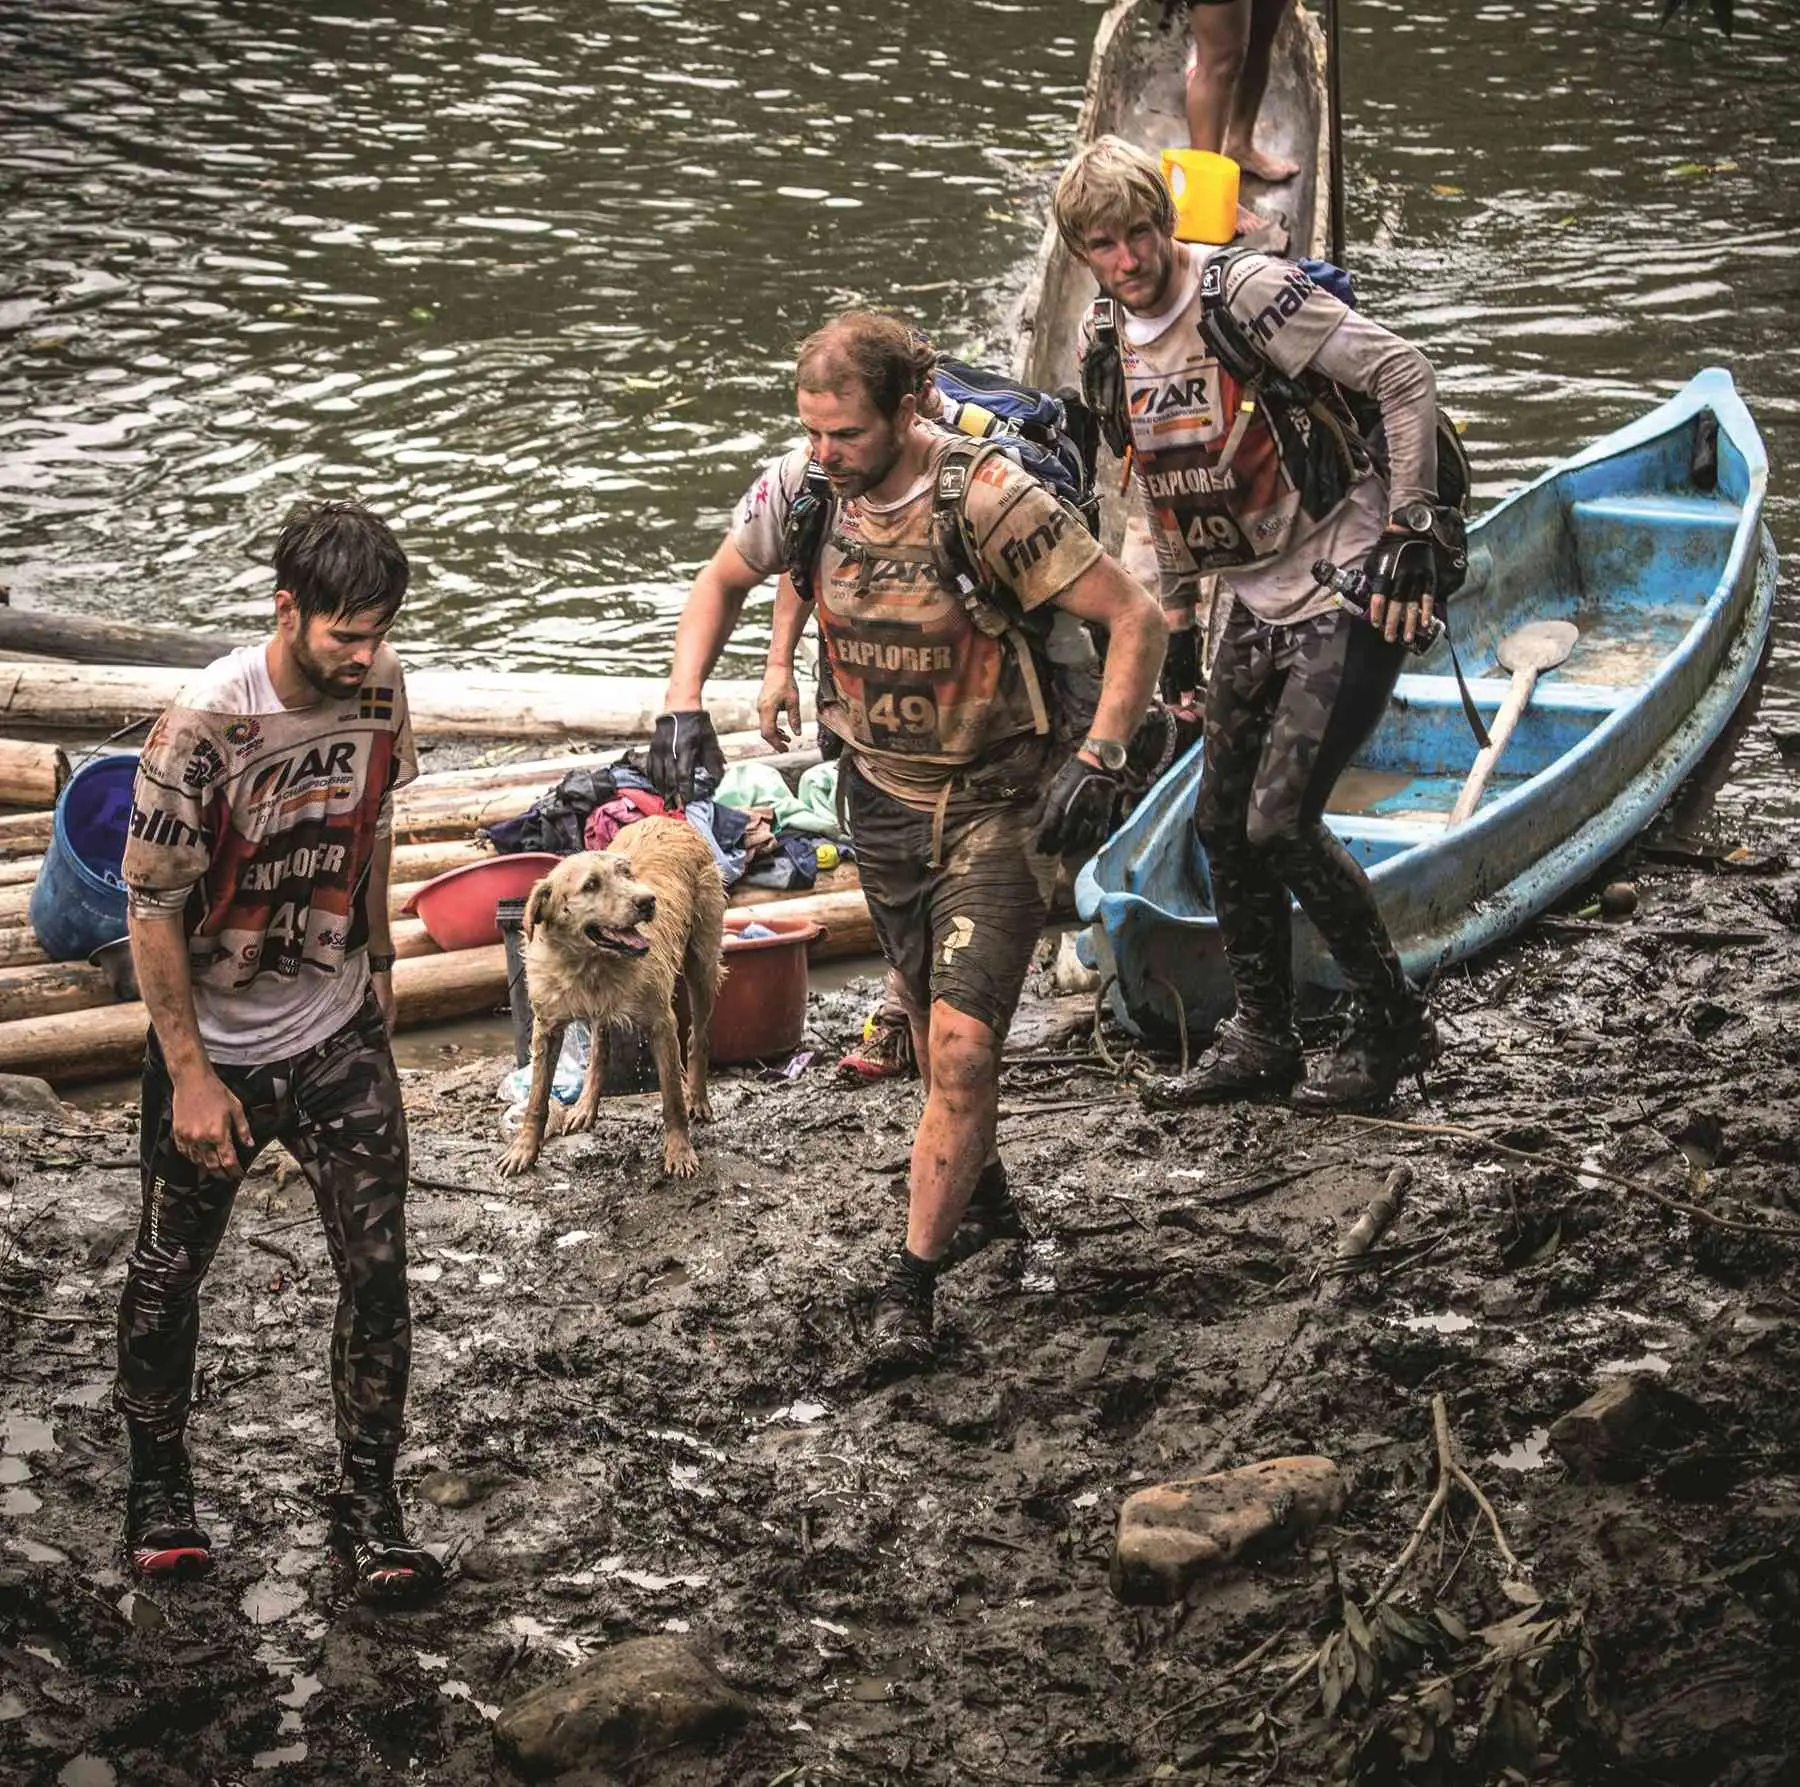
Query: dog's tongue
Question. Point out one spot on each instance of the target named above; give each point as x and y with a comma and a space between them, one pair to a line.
635, 941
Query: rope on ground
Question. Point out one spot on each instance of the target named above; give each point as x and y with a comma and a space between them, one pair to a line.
1575, 1169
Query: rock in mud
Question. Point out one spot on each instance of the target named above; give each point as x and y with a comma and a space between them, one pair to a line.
1607, 1437
462, 1489
1171, 1535
22, 1095
643, 1696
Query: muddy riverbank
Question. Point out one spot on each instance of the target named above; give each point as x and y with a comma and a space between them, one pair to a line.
642, 1406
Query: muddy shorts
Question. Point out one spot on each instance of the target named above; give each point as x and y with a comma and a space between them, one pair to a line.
336, 1108
962, 932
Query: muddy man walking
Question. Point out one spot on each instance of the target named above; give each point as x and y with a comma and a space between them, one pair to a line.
1237, 382
257, 870
936, 571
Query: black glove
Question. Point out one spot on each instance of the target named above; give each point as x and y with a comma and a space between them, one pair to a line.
682, 744
1181, 666
1076, 816
1421, 558
1424, 551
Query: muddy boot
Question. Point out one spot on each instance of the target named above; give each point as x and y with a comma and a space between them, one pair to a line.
368, 1534
162, 1537
1245, 1061
991, 1216
1380, 1049
899, 1341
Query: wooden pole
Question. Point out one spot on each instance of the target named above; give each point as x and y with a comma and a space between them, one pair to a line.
70, 1043
30, 775
445, 703
106, 1042
90, 639
1334, 89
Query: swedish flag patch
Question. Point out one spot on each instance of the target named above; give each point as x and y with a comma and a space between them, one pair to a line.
377, 704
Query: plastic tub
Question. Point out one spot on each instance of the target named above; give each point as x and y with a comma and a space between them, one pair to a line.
762, 1006
457, 908
78, 900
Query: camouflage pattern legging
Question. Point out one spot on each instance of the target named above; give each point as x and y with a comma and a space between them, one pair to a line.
337, 1110
1286, 709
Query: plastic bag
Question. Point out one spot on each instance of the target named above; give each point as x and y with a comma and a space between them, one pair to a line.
565, 1083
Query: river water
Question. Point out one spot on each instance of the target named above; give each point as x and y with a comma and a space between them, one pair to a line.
528, 278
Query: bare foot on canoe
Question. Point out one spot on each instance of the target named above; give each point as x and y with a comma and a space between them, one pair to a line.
1267, 235
1271, 169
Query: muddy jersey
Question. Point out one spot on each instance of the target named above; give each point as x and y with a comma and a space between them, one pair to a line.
920, 692
258, 823
1217, 494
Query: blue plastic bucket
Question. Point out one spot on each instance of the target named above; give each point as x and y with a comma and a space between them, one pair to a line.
78, 900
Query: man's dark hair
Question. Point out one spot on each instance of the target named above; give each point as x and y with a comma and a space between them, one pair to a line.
338, 558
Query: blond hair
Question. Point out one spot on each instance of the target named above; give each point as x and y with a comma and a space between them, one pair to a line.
1111, 185
884, 355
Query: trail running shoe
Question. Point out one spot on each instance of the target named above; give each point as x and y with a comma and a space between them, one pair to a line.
1244, 1061
369, 1535
885, 1052
162, 1537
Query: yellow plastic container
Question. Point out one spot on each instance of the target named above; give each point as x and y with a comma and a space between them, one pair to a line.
1204, 187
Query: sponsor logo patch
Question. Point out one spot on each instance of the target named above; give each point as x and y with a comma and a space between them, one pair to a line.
243, 735
204, 766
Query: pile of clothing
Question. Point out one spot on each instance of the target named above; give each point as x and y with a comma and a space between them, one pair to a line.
762, 833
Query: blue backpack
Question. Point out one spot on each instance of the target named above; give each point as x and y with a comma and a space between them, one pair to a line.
1055, 438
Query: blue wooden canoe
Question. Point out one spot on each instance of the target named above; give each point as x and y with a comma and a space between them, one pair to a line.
1668, 573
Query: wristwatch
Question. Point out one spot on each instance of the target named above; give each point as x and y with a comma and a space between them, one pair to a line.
1109, 751
1415, 518
381, 964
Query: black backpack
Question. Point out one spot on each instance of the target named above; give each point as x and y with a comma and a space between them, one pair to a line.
1328, 436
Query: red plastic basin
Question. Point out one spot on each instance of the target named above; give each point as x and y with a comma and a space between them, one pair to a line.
762, 1006
457, 907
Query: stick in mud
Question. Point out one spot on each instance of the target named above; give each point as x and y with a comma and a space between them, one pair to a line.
1780, 1231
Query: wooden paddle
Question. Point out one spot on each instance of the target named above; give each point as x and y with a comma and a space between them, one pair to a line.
1527, 653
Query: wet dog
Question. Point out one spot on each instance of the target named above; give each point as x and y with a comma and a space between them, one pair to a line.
606, 934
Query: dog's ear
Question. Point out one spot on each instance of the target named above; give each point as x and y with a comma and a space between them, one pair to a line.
538, 908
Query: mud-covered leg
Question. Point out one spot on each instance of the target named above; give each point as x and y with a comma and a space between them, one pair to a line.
546, 1050
703, 995
679, 1157
587, 1108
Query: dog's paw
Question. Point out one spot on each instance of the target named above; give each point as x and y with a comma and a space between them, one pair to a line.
521, 1157
579, 1121
679, 1159
700, 1109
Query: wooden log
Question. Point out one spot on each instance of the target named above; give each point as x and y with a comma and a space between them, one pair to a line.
30, 775
19, 947
445, 703
89, 639
107, 1042
849, 930
441, 807
42, 989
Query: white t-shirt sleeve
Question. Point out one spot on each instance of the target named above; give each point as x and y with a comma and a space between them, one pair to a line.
761, 516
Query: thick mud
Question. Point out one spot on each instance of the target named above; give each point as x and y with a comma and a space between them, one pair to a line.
650, 1401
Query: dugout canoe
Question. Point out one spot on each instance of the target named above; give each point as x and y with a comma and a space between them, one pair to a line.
1136, 89
1651, 542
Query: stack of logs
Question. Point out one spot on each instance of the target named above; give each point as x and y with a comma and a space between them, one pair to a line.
61, 1021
